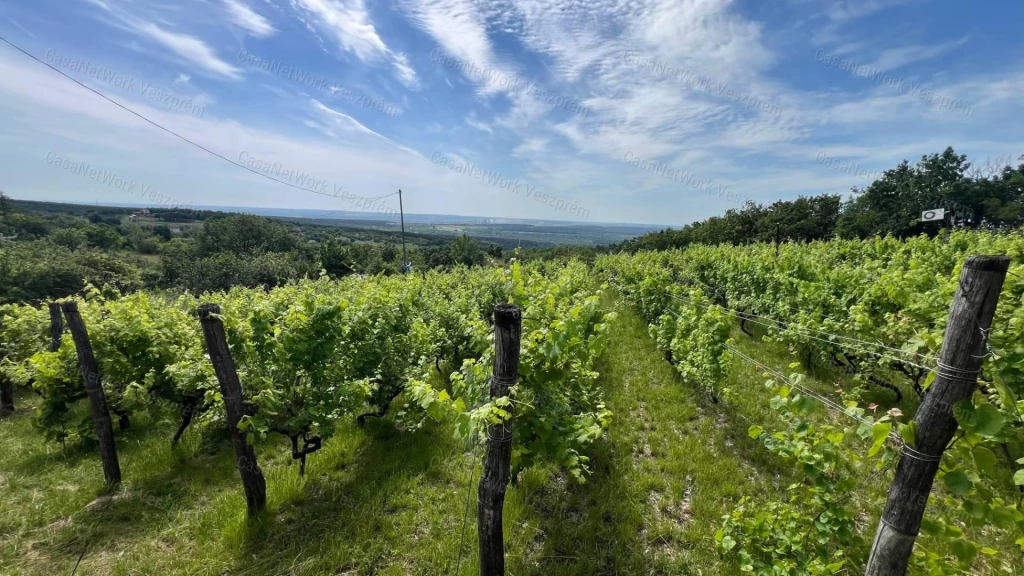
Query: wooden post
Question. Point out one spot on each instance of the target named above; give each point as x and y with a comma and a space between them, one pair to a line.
6, 392
94, 390
6, 395
231, 389
498, 459
963, 349
56, 326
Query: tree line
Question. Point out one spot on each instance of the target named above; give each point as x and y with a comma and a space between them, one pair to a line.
50, 251
989, 196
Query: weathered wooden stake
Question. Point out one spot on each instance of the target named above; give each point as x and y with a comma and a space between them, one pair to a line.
94, 391
963, 349
508, 325
6, 392
231, 389
56, 326
6, 395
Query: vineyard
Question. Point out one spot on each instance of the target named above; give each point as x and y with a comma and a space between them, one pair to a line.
714, 410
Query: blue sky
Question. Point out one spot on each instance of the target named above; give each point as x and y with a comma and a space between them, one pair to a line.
653, 111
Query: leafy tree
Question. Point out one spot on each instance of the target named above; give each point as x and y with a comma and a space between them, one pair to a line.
389, 253
42, 270
437, 257
162, 231
29, 227
366, 258
5, 207
103, 237
334, 258
893, 204
70, 238
466, 251
244, 235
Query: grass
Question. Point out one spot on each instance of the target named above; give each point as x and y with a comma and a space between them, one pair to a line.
382, 500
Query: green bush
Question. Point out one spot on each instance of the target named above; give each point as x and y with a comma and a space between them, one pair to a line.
41, 270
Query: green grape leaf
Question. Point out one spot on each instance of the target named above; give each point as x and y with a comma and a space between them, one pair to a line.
984, 459
957, 482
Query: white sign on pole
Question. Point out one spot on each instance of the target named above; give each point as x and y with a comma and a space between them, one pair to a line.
933, 215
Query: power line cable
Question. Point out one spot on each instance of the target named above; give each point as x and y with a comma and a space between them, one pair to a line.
168, 130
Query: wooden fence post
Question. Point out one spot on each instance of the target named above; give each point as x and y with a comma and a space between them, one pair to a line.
498, 459
6, 395
6, 391
231, 390
94, 391
56, 326
956, 375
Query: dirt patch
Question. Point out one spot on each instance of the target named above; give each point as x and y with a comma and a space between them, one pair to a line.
678, 512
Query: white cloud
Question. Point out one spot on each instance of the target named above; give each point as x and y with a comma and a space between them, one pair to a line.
350, 124
188, 47
531, 146
20, 27
847, 10
349, 21
404, 71
894, 58
245, 17
99, 3
482, 126
571, 49
461, 31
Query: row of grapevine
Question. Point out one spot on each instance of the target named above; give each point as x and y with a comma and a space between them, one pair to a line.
876, 309
316, 351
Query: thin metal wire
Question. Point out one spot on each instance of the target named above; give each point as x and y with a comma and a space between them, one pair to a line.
904, 448
844, 346
171, 132
957, 374
910, 452
829, 403
942, 369
465, 515
506, 436
781, 325
749, 317
800, 332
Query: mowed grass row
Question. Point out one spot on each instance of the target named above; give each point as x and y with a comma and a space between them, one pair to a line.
381, 500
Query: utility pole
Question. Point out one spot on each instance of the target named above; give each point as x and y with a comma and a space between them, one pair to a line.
401, 211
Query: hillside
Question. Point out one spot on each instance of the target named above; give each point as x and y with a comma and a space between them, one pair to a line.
711, 410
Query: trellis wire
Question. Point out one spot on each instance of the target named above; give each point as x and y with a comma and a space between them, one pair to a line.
472, 473
824, 400
800, 331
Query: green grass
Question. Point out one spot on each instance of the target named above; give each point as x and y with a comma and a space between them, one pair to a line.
381, 500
